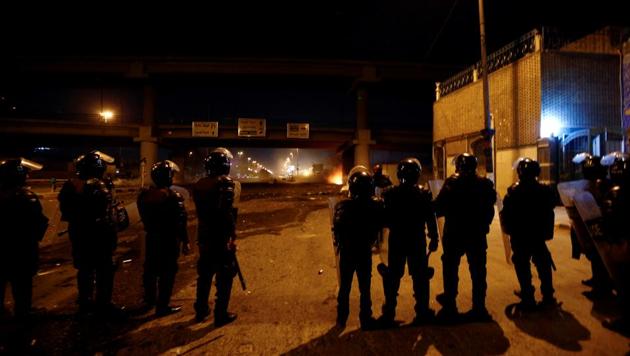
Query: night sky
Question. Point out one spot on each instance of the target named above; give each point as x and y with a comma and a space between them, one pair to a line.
435, 31
432, 31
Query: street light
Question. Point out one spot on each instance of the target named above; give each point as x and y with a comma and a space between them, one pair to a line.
107, 115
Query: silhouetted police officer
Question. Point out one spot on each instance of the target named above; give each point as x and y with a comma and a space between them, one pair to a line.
467, 203
595, 173
214, 197
23, 226
409, 211
528, 218
616, 210
381, 181
86, 204
164, 217
357, 222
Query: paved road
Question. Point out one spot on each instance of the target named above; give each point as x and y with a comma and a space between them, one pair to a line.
286, 255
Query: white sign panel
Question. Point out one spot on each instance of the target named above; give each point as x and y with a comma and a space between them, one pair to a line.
252, 128
297, 130
205, 129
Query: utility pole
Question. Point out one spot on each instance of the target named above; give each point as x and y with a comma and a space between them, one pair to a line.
488, 131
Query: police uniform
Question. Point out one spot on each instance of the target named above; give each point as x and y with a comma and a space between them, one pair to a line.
467, 203
598, 186
528, 217
616, 210
409, 211
357, 222
24, 225
164, 217
214, 197
86, 204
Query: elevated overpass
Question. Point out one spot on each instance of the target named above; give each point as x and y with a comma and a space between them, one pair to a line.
150, 133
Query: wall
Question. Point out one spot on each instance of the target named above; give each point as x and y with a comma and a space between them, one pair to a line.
581, 90
514, 104
506, 175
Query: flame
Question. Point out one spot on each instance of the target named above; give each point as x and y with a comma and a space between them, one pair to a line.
336, 177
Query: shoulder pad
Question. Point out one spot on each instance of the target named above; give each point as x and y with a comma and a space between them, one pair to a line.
377, 200
453, 178
96, 183
389, 190
513, 187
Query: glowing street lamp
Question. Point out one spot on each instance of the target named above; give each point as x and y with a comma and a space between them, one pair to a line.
107, 115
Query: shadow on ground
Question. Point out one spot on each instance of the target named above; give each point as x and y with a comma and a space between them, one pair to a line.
465, 339
555, 326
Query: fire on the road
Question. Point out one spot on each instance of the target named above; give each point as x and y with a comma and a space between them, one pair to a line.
336, 177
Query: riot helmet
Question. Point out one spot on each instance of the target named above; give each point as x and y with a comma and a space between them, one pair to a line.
466, 164
527, 169
14, 172
92, 165
618, 167
377, 169
162, 173
360, 183
218, 162
592, 168
408, 171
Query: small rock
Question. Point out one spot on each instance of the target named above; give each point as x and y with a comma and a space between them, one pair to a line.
321, 271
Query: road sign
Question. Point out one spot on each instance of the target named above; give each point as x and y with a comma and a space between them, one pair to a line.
252, 128
205, 129
297, 130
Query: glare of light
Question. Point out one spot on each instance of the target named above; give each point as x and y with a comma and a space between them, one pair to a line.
254, 162
190, 153
549, 126
106, 115
249, 158
336, 177
307, 172
240, 153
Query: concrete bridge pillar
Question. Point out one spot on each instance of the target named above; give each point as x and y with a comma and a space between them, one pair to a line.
362, 138
148, 142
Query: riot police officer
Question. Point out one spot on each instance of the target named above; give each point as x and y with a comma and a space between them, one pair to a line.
528, 218
357, 222
616, 210
24, 225
164, 217
467, 203
598, 185
409, 211
381, 181
214, 197
86, 204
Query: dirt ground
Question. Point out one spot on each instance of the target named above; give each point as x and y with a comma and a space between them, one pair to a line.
286, 255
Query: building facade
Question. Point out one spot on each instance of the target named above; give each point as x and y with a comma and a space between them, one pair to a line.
549, 99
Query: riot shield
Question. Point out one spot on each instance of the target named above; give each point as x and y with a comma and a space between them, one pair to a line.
435, 186
567, 191
615, 253
507, 246
332, 203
